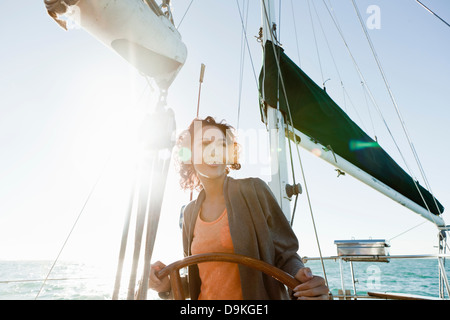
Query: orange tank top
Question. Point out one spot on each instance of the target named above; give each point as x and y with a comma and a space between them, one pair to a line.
220, 280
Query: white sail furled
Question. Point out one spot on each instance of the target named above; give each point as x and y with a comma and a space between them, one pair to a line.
138, 31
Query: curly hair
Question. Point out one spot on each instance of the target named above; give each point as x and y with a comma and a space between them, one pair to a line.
183, 151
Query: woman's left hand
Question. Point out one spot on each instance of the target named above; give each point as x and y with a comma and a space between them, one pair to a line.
311, 287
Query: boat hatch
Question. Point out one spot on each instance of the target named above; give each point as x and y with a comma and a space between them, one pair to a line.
375, 250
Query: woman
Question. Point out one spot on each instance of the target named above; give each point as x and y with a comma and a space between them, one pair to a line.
233, 216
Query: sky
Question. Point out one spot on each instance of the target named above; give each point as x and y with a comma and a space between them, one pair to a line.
70, 108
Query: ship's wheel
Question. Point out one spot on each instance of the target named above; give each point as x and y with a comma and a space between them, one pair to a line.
173, 270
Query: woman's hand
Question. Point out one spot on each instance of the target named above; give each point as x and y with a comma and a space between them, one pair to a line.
159, 285
311, 287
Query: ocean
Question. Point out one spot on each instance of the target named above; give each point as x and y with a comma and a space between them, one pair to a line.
22, 280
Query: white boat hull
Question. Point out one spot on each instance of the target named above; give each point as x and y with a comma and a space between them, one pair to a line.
148, 41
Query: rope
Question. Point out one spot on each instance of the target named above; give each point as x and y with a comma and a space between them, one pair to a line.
295, 140
291, 158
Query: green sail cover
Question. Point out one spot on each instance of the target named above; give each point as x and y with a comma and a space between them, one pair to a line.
316, 115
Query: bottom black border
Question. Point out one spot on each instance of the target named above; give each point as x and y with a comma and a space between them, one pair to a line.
168, 310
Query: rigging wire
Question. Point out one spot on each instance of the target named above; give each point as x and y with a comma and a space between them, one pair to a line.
398, 113
279, 70
242, 60
402, 233
361, 76
363, 80
73, 227
368, 110
153, 209
49, 279
289, 142
248, 46
295, 140
124, 241
81, 211
344, 89
315, 41
279, 22
295, 32
433, 13
184, 15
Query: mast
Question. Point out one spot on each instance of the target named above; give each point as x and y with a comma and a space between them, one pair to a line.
275, 124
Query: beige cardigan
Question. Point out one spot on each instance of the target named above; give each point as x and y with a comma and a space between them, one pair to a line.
258, 229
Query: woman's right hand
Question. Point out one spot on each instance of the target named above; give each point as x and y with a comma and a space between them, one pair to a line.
159, 285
